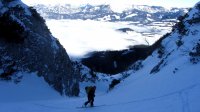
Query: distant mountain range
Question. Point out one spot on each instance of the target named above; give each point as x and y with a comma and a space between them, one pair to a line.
138, 13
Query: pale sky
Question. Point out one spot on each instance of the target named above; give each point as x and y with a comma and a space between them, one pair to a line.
120, 3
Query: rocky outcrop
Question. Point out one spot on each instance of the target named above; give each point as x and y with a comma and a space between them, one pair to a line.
26, 45
182, 42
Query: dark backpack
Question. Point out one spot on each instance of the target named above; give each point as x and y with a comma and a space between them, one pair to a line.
88, 89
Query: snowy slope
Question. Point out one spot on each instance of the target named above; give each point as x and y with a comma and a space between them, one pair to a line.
166, 83
140, 93
169, 83
31, 88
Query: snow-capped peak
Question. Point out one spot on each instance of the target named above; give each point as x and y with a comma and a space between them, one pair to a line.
150, 9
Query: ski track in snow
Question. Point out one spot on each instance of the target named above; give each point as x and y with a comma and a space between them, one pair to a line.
180, 97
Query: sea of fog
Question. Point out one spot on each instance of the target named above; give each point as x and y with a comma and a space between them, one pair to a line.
80, 37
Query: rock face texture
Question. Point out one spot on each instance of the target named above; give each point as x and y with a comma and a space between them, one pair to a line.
26, 45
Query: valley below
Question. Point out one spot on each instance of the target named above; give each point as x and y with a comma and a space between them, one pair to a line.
80, 37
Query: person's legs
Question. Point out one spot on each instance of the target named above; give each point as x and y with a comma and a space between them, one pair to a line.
87, 101
92, 102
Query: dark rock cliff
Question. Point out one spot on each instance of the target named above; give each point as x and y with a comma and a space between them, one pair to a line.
26, 45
